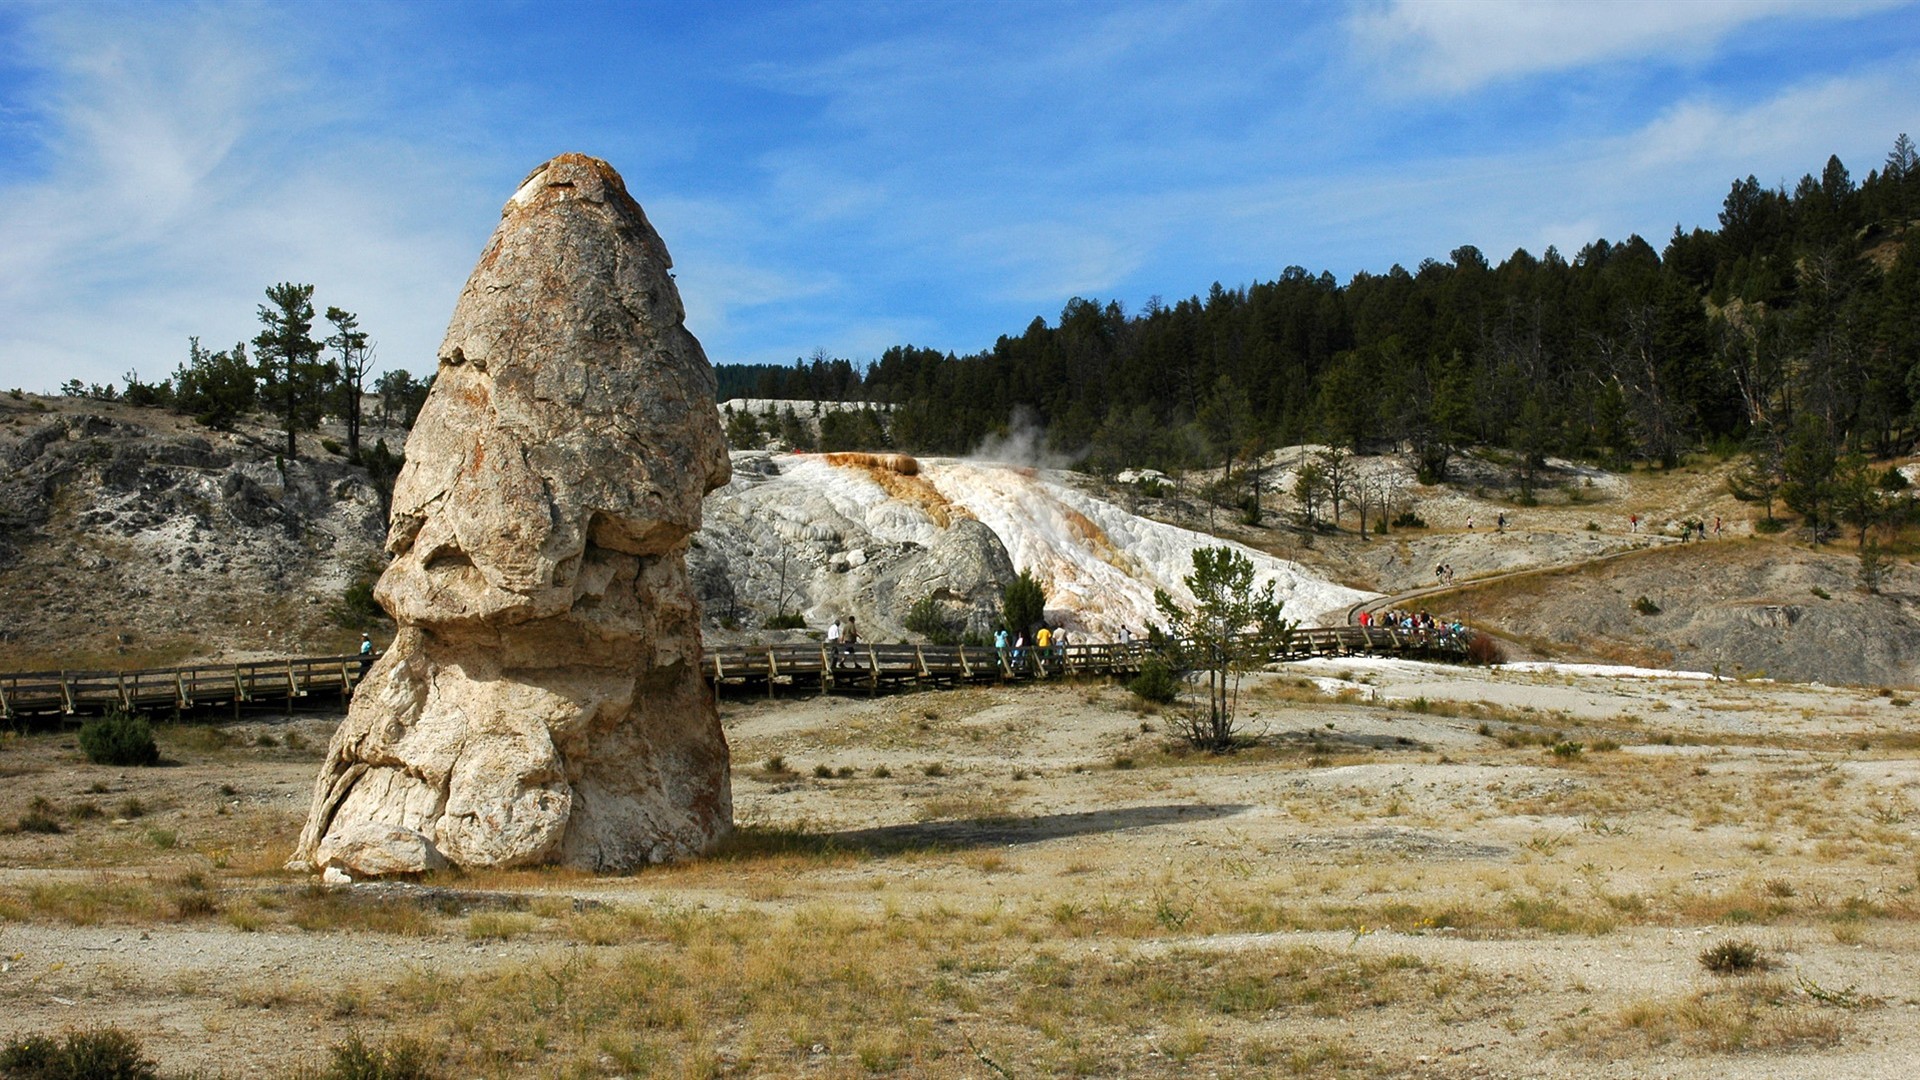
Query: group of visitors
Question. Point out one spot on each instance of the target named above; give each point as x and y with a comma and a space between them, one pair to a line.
1443, 574
1400, 619
1048, 643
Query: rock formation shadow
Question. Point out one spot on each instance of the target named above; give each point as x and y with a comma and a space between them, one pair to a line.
998, 831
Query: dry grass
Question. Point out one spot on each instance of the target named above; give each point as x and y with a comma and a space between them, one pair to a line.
934, 991
1751, 1014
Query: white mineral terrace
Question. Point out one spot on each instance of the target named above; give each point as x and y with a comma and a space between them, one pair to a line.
1099, 563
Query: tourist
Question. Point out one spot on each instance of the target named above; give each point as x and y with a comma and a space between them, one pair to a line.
366, 653
833, 642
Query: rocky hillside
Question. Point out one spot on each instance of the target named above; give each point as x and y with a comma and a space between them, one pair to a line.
133, 536
1748, 607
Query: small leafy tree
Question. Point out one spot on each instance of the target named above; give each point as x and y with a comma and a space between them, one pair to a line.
1023, 604
1873, 568
1232, 628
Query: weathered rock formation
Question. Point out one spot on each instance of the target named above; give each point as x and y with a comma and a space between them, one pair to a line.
542, 701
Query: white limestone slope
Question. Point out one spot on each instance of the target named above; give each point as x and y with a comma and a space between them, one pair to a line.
1099, 563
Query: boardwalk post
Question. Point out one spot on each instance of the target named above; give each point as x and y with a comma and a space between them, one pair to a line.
66, 693
773, 670
873, 672
826, 670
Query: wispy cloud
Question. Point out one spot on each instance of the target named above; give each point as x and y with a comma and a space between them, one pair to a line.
1458, 45
183, 178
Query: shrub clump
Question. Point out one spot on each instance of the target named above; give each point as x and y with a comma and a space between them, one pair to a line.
928, 617
103, 1054
1645, 606
1484, 651
119, 738
786, 620
1155, 682
1736, 956
400, 1059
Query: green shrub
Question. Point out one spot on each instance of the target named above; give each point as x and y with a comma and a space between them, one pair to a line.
1567, 750
1155, 682
356, 607
1407, 519
1645, 606
119, 738
103, 1054
1769, 526
1822, 593
333, 447
928, 617
400, 1059
786, 620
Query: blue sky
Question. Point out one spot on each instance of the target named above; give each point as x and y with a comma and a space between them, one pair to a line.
848, 176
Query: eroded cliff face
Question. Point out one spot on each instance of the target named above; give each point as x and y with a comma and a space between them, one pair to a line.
542, 701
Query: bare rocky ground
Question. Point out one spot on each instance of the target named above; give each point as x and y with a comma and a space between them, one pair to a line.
1401, 879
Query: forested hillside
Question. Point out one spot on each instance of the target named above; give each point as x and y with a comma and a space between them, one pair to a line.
1797, 319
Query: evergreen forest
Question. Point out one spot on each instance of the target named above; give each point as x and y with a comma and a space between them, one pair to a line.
1791, 331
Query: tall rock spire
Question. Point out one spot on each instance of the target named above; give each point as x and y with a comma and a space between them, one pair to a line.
543, 701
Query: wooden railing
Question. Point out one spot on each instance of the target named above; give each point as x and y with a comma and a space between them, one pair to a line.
750, 668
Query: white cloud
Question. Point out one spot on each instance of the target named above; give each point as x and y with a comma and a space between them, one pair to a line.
183, 177
1457, 45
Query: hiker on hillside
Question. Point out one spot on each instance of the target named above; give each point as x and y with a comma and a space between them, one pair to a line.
366, 654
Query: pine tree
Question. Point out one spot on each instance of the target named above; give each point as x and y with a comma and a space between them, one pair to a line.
289, 359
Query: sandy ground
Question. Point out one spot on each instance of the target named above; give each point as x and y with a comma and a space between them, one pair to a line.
1383, 796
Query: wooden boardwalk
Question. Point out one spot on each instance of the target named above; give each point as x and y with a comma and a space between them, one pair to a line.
759, 669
